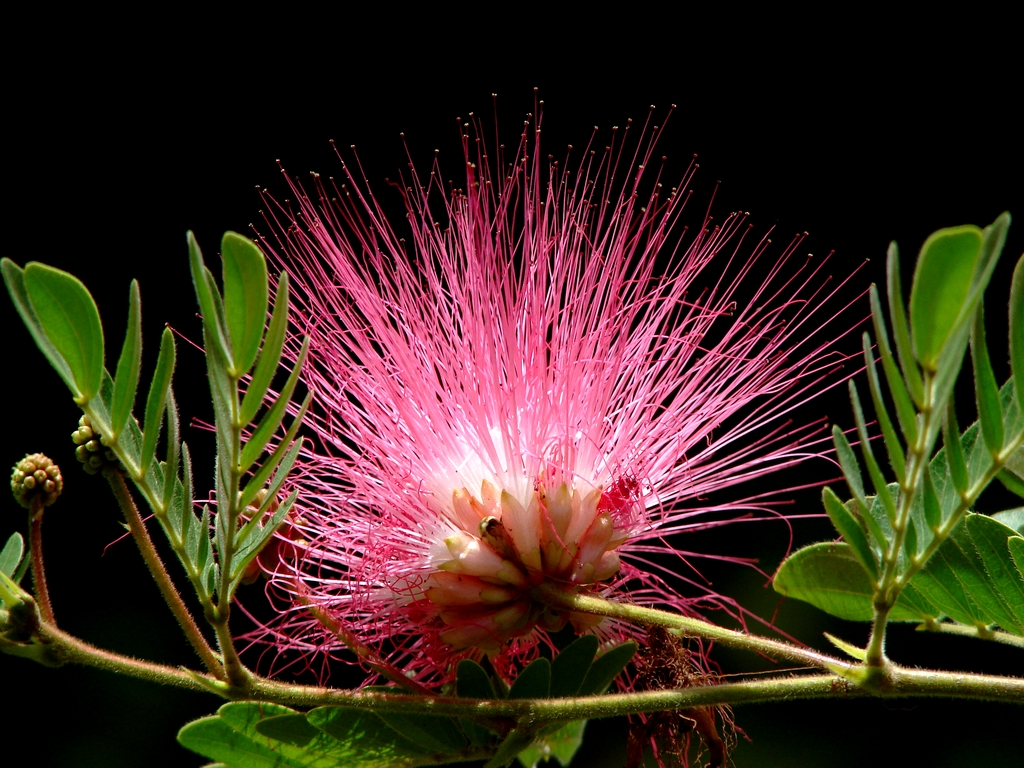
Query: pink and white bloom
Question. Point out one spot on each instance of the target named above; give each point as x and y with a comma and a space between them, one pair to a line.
533, 378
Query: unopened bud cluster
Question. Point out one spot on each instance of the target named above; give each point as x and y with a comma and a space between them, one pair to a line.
36, 477
91, 451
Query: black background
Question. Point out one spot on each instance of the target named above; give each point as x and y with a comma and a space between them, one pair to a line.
119, 145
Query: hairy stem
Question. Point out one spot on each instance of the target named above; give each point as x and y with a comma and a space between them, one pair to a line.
35, 538
887, 589
552, 595
159, 572
981, 633
900, 683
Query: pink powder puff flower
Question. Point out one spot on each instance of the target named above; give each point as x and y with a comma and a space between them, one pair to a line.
526, 381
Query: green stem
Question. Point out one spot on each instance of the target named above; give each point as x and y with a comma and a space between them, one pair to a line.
901, 683
887, 590
35, 543
550, 594
980, 633
159, 572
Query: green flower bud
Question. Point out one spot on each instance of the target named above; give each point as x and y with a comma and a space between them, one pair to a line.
92, 450
36, 477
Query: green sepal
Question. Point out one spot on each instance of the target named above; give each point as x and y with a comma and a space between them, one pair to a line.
245, 299
569, 668
126, 380
986, 391
534, 682
156, 401
70, 320
606, 668
942, 283
270, 355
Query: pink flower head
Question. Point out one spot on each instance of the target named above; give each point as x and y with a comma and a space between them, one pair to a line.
534, 377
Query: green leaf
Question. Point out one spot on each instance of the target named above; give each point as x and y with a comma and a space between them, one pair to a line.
897, 459
606, 668
850, 530
472, 682
956, 581
874, 471
14, 277
534, 682
371, 742
954, 449
942, 282
156, 402
126, 381
901, 398
848, 462
561, 744
282, 456
990, 414
932, 508
270, 355
829, 577
991, 538
1016, 547
245, 298
272, 419
900, 330
10, 556
1017, 331
68, 316
569, 668
291, 729
213, 738
1012, 518
214, 332
258, 735
431, 733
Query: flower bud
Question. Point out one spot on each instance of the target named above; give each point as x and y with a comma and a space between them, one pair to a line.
36, 477
91, 450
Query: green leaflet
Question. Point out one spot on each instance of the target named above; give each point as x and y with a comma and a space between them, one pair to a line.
261, 735
245, 299
10, 556
942, 283
830, 577
561, 744
972, 579
68, 316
